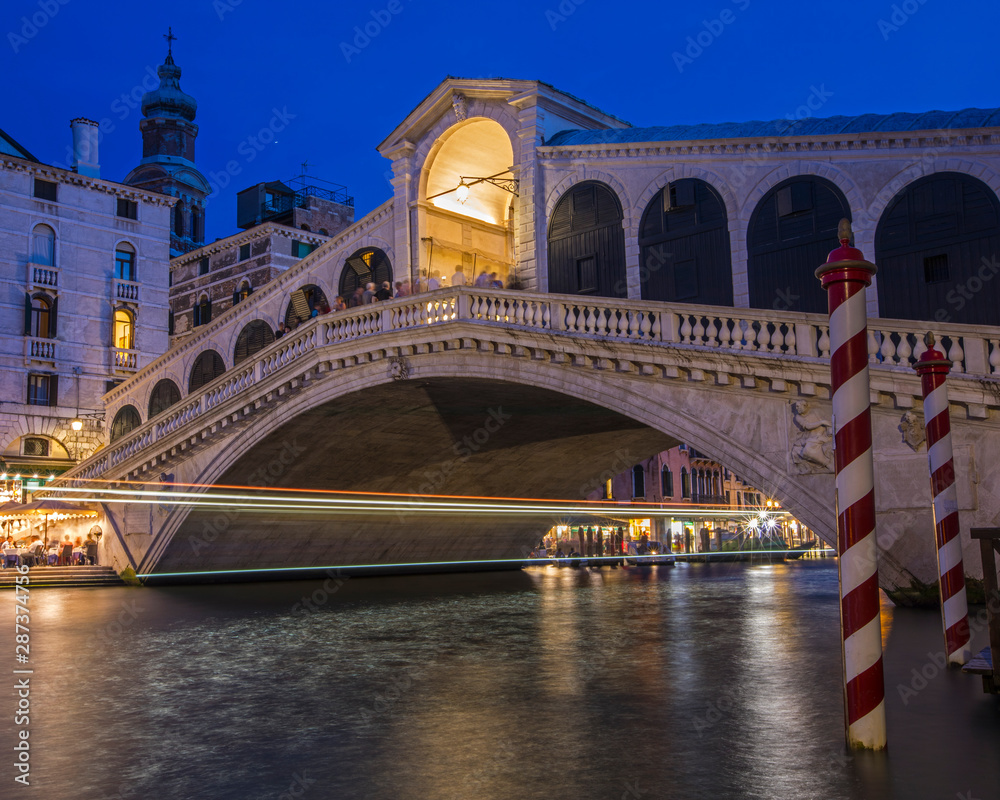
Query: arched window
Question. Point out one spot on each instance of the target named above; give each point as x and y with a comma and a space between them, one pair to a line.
638, 481
305, 228
202, 312
178, 216
666, 482
587, 243
716, 484
125, 262
370, 265
685, 483
43, 245
254, 337
324, 232
206, 368
243, 292
936, 247
684, 246
126, 420
791, 232
123, 336
304, 303
39, 316
164, 395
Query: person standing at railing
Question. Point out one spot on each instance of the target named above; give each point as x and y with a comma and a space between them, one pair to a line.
434, 282
384, 291
402, 289
368, 295
458, 279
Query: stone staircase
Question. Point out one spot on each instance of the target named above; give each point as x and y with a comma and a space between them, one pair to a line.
67, 577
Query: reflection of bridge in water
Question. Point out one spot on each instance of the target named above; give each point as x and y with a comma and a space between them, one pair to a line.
513, 394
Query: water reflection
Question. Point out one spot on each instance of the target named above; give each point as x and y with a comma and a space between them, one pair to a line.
708, 680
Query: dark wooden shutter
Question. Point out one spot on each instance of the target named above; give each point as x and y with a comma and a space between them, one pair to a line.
27, 314
196, 316
52, 318
208, 313
53, 390
236, 297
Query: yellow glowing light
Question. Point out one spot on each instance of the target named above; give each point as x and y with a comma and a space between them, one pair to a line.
462, 192
77, 424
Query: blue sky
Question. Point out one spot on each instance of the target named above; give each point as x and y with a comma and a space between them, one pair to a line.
336, 90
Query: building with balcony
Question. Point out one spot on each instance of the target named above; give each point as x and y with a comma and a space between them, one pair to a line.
84, 265
283, 221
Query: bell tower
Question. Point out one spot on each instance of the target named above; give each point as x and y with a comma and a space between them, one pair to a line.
167, 166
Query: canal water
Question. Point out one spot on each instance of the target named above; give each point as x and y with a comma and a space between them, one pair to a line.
700, 681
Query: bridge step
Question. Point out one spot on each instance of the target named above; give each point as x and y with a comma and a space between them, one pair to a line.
65, 577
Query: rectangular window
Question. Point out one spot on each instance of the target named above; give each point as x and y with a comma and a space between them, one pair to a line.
586, 274
244, 252
936, 268
124, 265
41, 390
302, 249
204, 263
33, 446
128, 209
45, 190
109, 385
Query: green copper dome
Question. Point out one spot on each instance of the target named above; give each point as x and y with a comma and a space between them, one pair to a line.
168, 100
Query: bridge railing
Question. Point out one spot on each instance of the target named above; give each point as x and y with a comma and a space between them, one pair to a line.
764, 332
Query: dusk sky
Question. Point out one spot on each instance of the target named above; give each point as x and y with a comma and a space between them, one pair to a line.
333, 90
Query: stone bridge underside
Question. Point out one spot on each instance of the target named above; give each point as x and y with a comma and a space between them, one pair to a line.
436, 436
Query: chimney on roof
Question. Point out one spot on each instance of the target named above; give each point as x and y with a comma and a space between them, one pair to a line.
85, 160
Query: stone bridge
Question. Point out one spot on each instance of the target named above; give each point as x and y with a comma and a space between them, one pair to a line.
466, 391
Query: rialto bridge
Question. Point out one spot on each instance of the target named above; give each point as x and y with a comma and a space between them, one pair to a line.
665, 294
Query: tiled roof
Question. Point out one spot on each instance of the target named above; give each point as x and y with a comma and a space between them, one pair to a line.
810, 126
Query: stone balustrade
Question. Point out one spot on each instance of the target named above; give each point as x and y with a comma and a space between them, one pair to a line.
127, 291
36, 349
125, 360
42, 276
765, 333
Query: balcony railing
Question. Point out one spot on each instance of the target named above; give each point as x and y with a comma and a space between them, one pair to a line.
42, 276
125, 360
126, 291
37, 349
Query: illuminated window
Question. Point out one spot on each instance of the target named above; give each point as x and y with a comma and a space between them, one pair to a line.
367, 257
124, 329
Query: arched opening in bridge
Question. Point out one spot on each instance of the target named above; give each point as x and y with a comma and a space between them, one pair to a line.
684, 246
468, 229
791, 232
164, 395
936, 247
126, 420
206, 368
369, 265
305, 302
587, 242
254, 337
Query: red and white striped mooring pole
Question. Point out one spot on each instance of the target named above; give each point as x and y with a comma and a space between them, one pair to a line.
933, 368
845, 276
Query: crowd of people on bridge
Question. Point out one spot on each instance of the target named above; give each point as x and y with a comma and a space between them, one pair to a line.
34, 552
369, 293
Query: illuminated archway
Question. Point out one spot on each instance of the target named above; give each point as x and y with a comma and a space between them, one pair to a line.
469, 231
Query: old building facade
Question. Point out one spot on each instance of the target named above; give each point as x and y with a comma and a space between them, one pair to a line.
84, 268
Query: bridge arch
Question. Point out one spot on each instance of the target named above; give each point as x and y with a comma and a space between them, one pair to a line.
253, 337
126, 420
936, 247
684, 245
206, 368
586, 242
752, 442
164, 394
788, 236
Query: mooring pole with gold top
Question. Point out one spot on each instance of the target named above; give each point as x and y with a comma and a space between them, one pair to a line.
845, 277
933, 368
